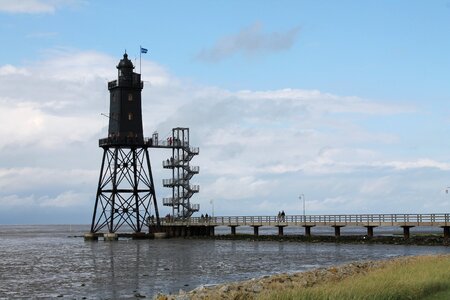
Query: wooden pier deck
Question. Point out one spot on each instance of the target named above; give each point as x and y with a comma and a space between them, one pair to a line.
369, 221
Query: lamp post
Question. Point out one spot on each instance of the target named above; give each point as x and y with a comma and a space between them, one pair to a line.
212, 207
302, 197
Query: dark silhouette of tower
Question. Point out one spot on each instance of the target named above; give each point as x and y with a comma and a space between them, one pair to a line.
126, 192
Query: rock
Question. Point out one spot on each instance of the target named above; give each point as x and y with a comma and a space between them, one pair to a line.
199, 289
256, 288
160, 296
224, 289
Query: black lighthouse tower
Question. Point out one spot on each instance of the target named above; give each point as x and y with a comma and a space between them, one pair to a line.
126, 192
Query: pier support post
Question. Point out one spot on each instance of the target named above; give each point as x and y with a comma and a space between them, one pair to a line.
139, 236
307, 230
160, 235
110, 236
337, 230
90, 236
194, 230
256, 229
370, 230
154, 228
170, 231
406, 231
280, 229
446, 232
233, 229
211, 230
176, 231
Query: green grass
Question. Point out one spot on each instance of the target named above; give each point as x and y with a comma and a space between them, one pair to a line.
441, 295
426, 277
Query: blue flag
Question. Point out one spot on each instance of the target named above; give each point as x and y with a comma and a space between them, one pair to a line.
143, 50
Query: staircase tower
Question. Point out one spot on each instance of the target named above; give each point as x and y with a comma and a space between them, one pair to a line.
126, 192
182, 172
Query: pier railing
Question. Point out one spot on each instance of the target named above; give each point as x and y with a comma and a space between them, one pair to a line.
319, 220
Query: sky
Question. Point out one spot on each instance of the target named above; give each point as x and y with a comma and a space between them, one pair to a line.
343, 103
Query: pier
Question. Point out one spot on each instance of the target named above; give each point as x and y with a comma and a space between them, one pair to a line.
196, 226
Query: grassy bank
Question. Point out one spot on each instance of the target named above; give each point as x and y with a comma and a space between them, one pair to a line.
417, 278
421, 277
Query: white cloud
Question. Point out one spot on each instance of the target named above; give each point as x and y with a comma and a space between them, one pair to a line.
236, 188
14, 180
381, 186
29, 124
418, 164
26, 6
12, 201
262, 148
8, 70
249, 41
324, 102
33, 6
66, 199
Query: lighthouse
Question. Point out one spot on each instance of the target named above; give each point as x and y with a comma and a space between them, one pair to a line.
126, 192
125, 115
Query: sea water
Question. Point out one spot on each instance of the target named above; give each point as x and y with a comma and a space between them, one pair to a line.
54, 261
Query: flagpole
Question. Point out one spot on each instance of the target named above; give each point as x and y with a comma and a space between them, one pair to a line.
140, 65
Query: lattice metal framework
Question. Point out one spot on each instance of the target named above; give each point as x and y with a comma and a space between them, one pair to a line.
125, 191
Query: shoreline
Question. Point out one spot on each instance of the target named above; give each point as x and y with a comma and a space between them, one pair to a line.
414, 240
267, 285
417, 240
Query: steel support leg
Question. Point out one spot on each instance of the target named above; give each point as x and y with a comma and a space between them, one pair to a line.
406, 234
337, 231
256, 230
280, 230
370, 231
307, 231
446, 232
233, 229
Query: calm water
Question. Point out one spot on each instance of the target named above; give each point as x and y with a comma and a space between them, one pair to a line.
42, 261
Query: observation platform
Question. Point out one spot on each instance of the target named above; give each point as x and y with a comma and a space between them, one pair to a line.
148, 143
